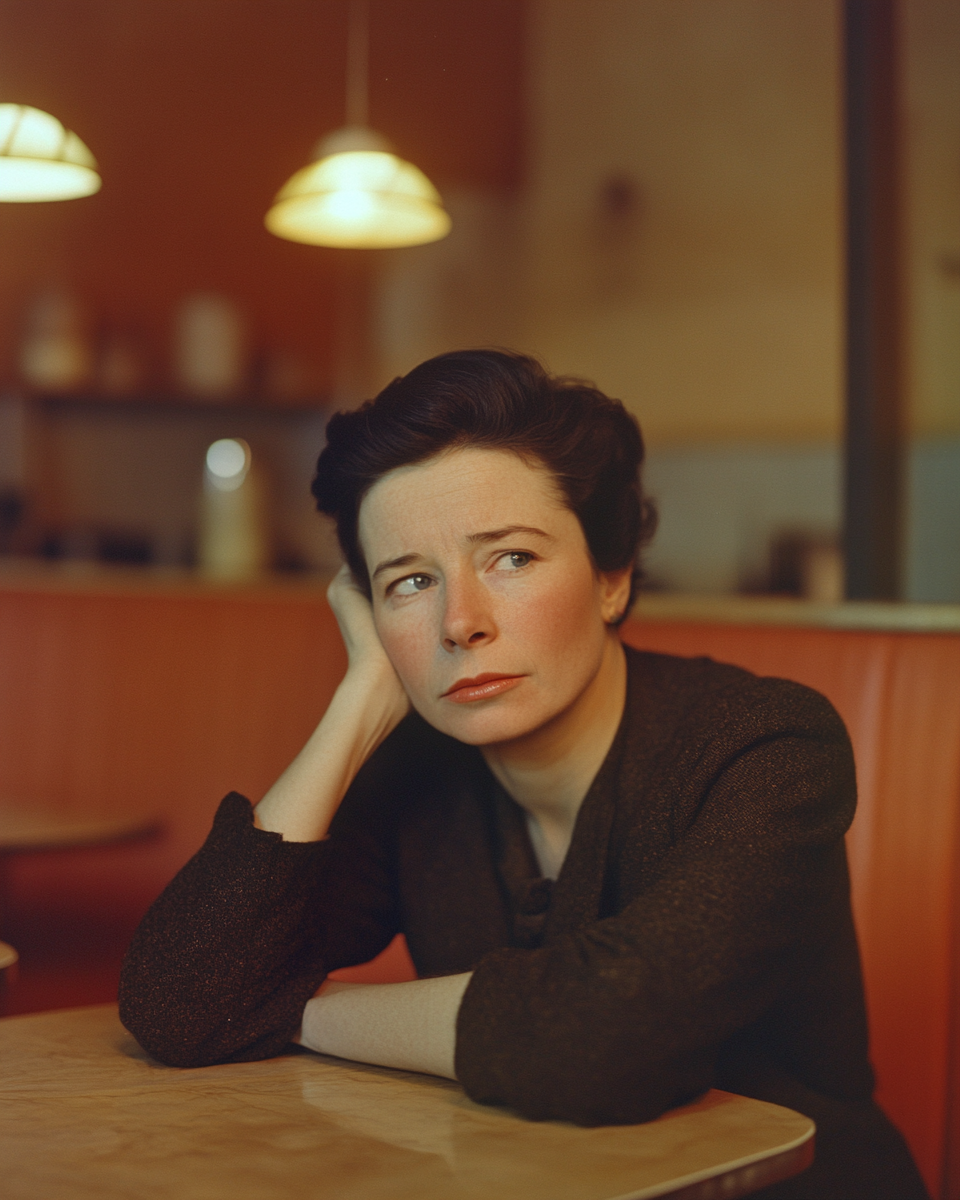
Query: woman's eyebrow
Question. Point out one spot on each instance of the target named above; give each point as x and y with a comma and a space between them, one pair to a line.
488, 535
497, 535
405, 560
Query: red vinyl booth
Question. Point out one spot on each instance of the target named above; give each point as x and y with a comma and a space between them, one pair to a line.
120, 696
899, 694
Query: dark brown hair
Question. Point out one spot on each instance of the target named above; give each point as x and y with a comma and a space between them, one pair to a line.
502, 401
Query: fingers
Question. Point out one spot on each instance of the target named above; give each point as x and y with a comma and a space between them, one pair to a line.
355, 617
342, 581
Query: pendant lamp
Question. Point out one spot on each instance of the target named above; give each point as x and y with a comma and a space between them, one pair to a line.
40, 159
357, 193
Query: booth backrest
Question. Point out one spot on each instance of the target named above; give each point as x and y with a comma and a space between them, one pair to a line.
899, 694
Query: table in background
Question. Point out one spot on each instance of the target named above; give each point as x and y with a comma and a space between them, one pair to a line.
85, 1113
29, 828
25, 828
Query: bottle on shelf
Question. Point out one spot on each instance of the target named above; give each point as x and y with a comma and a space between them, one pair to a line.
233, 539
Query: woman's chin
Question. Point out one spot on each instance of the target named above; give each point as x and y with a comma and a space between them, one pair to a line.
483, 724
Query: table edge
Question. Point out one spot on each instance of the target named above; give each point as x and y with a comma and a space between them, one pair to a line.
754, 1171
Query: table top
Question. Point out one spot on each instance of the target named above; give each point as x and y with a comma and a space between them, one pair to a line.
85, 1113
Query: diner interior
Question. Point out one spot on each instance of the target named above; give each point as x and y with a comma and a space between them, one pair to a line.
665, 197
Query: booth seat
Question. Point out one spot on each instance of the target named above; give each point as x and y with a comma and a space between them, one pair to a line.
155, 696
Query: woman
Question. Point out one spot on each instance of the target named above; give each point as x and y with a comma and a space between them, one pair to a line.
621, 876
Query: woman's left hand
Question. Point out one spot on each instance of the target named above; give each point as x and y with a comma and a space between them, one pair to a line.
407, 1026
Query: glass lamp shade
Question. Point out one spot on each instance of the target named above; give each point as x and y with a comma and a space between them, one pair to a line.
40, 159
358, 195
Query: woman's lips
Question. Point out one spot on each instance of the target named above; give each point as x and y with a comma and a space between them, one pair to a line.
483, 687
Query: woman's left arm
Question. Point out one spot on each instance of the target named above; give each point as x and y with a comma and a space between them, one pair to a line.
747, 917
623, 1018
408, 1026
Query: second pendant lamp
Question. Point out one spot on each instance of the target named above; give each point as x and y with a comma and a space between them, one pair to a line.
357, 193
40, 159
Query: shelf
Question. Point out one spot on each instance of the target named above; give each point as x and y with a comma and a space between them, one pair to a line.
865, 615
163, 403
32, 576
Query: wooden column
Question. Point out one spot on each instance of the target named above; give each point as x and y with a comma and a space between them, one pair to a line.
874, 487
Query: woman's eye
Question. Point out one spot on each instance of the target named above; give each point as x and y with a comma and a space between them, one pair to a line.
411, 585
514, 560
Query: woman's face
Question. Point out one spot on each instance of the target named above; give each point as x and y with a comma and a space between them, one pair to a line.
485, 597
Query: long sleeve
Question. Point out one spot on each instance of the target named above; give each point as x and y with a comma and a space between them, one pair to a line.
226, 958
624, 1016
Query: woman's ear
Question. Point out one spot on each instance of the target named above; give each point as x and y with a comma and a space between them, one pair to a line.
614, 594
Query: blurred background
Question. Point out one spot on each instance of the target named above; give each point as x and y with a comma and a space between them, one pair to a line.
647, 193
651, 194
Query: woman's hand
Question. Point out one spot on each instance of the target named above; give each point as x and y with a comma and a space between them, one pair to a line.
367, 661
369, 703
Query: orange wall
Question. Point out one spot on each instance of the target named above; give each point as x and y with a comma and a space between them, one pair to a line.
199, 110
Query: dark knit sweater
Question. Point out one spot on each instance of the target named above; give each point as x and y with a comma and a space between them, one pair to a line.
699, 934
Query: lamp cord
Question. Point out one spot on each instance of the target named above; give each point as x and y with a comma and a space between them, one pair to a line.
358, 63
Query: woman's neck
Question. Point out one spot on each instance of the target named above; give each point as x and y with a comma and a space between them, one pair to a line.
550, 772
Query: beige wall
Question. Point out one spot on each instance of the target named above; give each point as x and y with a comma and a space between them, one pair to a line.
715, 307
712, 306
722, 317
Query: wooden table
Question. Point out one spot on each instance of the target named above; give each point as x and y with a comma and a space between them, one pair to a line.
85, 1114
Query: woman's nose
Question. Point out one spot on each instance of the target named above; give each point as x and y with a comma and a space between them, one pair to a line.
467, 619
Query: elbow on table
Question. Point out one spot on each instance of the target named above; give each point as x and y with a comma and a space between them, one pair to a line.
177, 1041
598, 1093
163, 1042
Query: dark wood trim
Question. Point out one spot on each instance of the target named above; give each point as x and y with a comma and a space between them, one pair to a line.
874, 488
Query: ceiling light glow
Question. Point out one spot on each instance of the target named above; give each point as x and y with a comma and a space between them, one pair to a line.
42, 160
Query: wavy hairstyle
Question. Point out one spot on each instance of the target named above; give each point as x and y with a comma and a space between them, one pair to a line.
501, 401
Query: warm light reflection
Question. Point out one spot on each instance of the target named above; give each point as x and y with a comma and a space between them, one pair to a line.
228, 461
40, 159
364, 199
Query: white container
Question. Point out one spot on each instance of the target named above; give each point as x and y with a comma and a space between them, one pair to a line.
233, 536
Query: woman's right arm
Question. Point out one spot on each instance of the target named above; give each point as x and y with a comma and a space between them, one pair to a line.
224, 961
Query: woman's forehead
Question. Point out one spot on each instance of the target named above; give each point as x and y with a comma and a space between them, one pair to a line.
475, 470
457, 490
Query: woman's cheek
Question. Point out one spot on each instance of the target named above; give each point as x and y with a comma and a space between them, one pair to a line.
405, 638
545, 622
556, 613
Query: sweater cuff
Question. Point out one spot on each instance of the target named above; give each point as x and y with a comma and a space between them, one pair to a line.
256, 865
234, 823
486, 1011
